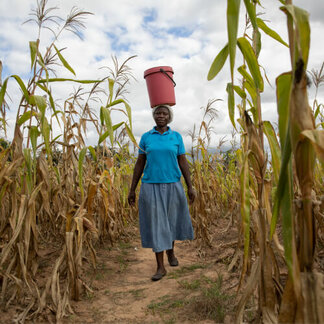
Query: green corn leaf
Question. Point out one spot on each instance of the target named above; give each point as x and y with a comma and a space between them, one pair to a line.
64, 62
240, 92
115, 102
49, 94
245, 206
283, 202
129, 113
111, 83
71, 80
3, 91
301, 21
274, 147
252, 92
81, 159
22, 86
26, 116
317, 109
34, 133
283, 193
102, 121
233, 12
20, 83
106, 118
218, 63
42, 64
257, 42
270, 32
304, 33
118, 125
40, 102
231, 102
250, 103
131, 135
283, 90
103, 137
251, 12
46, 130
287, 221
56, 138
254, 113
284, 182
251, 61
242, 70
33, 52
93, 153
51, 101
248, 84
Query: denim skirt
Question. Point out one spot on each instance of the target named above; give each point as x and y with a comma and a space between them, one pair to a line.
163, 215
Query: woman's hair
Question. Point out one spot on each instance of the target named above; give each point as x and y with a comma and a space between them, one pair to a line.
165, 106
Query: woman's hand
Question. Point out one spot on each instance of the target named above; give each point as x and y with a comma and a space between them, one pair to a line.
138, 171
131, 198
191, 194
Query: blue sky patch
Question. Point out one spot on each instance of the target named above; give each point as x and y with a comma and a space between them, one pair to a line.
149, 16
79, 33
99, 58
117, 45
186, 56
5, 71
179, 31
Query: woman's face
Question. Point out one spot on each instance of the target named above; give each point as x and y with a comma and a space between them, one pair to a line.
161, 116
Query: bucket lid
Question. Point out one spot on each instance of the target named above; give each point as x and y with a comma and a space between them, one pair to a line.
157, 69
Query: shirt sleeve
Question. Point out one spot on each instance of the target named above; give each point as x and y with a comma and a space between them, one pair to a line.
181, 149
142, 145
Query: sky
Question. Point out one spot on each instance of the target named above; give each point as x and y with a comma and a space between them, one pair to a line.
184, 34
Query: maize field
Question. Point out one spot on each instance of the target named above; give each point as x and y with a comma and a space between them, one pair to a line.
56, 191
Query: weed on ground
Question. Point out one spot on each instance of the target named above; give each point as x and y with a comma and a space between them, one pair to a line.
207, 299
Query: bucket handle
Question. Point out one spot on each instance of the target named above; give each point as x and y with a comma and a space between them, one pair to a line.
163, 71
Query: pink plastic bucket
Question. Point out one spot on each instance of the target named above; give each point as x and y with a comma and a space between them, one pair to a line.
160, 85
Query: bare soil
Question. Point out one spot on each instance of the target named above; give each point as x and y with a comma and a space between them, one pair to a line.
199, 290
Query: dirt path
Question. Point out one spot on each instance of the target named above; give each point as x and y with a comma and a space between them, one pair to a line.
124, 293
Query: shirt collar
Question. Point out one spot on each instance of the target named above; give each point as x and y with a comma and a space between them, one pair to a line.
153, 130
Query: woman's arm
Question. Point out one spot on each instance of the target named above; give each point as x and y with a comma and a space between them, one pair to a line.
138, 171
184, 167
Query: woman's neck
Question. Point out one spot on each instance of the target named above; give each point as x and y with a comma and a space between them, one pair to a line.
161, 129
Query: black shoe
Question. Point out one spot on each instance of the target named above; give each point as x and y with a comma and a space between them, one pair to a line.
173, 261
158, 276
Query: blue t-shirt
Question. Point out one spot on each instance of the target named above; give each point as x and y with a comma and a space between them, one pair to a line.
161, 152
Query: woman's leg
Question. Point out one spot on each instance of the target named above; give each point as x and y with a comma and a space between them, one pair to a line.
160, 271
173, 261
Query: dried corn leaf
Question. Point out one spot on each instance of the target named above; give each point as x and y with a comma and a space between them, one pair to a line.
317, 139
313, 297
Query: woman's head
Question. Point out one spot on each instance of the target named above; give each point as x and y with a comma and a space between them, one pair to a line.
162, 114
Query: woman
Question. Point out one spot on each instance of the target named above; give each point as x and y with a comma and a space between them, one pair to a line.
163, 209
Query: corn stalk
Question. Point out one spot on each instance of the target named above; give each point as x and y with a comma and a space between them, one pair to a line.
52, 193
214, 179
297, 134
